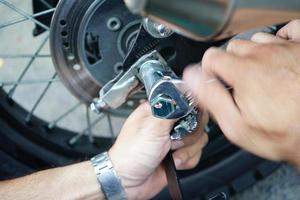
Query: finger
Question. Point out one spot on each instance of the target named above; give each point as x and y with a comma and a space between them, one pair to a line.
143, 114
191, 163
291, 31
216, 99
241, 47
204, 121
187, 141
266, 38
184, 155
142, 110
223, 65
193, 137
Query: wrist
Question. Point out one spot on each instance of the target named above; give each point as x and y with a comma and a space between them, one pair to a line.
107, 177
121, 171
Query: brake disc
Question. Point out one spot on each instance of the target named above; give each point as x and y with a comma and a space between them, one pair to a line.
89, 40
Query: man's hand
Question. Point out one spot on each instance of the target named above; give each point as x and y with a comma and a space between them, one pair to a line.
142, 145
137, 154
259, 108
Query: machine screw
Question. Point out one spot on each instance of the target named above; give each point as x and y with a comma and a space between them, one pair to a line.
163, 106
98, 106
156, 29
163, 30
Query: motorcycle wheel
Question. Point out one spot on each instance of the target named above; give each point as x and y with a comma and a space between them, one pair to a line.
44, 118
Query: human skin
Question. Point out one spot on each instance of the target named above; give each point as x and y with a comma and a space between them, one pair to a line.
260, 112
140, 149
137, 155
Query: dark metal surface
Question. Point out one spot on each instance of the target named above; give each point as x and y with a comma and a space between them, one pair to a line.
143, 44
87, 53
209, 20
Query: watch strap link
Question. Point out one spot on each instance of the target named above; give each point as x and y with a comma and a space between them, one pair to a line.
107, 177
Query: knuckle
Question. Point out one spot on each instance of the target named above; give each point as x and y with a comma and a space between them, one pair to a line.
233, 45
209, 57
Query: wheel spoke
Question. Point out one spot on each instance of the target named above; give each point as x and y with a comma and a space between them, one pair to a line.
88, 122
24, 14
46, 3
19, 20
12, 91
23, 17
63, 116
73, 141
30, 114
76, 138
21, 56
93, 124
5, 84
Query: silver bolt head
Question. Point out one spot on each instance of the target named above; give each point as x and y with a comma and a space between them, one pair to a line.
98, 106
94, 108
156, 29
164, 31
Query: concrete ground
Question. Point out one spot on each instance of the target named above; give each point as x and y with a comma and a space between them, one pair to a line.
18, 40
284, 184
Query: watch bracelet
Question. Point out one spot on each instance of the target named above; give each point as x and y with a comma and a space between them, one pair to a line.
108, 178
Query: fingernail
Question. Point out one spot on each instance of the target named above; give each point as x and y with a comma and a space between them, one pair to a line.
261, 35
256, 37
264, 38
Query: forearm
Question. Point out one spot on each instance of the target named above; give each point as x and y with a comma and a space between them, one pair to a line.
73, 182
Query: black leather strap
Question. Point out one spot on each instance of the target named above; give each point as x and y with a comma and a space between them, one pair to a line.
173, 181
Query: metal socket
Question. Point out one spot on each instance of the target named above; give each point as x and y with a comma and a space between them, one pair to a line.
163, 106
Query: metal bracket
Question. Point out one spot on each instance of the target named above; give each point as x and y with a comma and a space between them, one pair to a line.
167, 94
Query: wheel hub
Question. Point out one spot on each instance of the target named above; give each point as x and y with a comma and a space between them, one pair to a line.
89, 40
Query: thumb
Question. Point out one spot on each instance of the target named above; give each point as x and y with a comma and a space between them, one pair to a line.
213, 96
291, 31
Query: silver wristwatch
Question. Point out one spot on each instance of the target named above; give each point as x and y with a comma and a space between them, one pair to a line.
107, 177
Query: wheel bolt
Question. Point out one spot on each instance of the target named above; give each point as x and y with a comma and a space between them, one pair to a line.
98, 106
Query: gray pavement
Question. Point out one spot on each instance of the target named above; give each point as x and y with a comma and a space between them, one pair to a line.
284, 184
